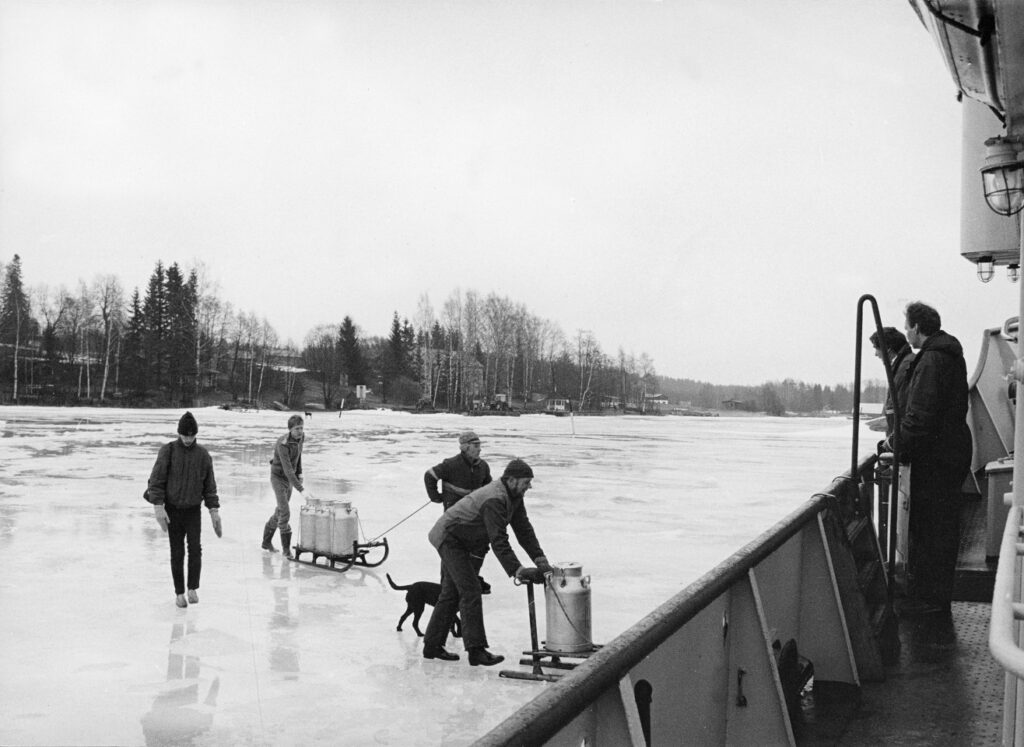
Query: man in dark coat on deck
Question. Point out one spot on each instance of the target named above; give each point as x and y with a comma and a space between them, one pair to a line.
935, 440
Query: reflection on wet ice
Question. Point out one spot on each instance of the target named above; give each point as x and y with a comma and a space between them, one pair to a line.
176, 717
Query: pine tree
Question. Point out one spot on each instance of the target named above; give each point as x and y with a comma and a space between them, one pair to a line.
134, 356
154, 317
181, 331
15, 318
353, 363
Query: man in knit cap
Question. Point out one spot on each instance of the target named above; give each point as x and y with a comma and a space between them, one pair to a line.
285, 475
181, 481
462, 537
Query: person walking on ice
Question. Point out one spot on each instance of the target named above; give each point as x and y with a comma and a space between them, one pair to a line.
181, 481
285, 474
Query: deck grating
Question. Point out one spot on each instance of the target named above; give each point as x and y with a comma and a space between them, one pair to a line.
945, 690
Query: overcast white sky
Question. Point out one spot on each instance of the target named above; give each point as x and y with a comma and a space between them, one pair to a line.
712, 182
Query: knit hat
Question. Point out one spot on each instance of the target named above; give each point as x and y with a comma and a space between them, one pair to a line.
187, 426
518, 468
468, 437
294, 420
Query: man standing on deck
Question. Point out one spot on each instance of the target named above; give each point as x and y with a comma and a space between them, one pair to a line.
459, 476
935, 439
462, 537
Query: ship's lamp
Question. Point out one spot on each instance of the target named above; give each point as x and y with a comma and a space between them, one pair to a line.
1002, 176
986, 268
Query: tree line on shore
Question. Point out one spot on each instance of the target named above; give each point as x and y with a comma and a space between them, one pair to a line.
178, 343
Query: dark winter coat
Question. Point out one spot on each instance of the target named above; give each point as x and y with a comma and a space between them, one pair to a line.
183, 477
457, 471
287, 461
933, 431
901, 383
482, 518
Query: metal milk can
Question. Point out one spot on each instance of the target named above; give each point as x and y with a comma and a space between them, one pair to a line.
345, 532
324, 519
567, 604
307, 523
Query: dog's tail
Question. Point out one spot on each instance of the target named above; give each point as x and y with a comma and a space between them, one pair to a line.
395, 586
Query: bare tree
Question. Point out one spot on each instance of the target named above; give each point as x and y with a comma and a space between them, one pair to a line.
424, 321
321, 355
268, 340
588, 356
109, 297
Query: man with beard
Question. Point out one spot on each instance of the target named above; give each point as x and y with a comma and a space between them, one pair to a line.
462, 537
936, 442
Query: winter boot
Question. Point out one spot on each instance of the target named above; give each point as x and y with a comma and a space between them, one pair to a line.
286, 544
268, 536
193, 597
179, 600
480, 656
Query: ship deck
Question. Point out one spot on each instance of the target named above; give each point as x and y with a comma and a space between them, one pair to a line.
945, 688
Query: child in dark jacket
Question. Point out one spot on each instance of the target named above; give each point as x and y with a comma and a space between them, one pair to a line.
181, 481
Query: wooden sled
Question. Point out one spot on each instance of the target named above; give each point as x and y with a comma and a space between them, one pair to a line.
341, 563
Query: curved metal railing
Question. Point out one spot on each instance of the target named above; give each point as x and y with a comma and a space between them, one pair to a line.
1004, 636
545, 719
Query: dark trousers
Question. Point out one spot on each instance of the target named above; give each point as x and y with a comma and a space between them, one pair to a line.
185, 524
460, 593
935, 506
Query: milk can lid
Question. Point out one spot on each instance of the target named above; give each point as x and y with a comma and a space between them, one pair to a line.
568, 569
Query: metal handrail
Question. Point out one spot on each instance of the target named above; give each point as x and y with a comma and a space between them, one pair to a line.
541, 718
1006, 607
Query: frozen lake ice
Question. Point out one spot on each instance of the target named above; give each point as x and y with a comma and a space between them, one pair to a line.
95, 652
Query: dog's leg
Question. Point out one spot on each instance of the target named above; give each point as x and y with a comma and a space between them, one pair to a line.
401, 620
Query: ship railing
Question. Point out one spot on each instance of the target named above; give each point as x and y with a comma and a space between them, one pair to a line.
704, 667
1005, 633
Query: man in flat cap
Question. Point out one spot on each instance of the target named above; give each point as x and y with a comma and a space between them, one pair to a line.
462, 537
459, 476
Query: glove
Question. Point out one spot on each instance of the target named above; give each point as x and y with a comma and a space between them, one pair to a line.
160, 513
529, 574
543, 565
218, 529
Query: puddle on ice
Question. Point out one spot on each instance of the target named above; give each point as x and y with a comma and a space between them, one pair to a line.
96, 652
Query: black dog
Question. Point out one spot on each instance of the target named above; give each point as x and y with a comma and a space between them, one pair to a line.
417, 596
